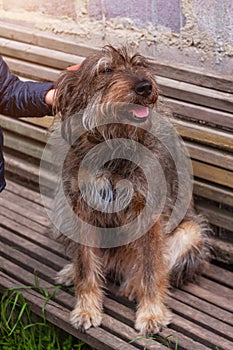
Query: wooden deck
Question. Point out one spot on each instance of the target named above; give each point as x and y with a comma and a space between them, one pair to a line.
203, 314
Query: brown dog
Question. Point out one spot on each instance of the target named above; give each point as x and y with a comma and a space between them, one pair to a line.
111, 97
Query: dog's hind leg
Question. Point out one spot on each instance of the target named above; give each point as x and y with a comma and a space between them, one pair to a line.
88, 282
66, 275
187, 251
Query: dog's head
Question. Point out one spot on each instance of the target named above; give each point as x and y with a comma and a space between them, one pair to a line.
111, 76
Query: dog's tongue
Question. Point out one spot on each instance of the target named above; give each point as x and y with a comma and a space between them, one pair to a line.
140, 111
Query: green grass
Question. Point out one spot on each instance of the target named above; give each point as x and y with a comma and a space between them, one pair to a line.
20, 329
170, 341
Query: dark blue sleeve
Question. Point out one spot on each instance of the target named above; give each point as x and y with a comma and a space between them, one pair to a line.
19, 98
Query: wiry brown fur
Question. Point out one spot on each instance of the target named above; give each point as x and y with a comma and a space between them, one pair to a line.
146, 265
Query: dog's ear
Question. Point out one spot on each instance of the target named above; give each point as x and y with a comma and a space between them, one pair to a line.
73, 87
66, 86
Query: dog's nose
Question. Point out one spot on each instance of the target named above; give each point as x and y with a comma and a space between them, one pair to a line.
144, 88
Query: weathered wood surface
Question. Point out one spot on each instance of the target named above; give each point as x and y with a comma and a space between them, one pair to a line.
199, 102
203, 314
180, 72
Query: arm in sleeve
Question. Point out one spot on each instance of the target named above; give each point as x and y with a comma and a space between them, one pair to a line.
19, 98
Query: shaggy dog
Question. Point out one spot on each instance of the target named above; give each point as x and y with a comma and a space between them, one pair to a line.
112, 97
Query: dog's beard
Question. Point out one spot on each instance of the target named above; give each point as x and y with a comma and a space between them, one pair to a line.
97, 113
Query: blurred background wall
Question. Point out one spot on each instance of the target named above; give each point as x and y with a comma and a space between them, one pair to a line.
194, 32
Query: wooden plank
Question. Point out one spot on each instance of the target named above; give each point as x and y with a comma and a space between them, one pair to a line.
207, 135
213, 173
194, 75
208, 295
32, 267
197, 94
223, 250
200, 113
190, 74
25, 169
53, 262
16, 218
216, 216
24, 129
113, 307
24, 145
219, 274
39, 55
44, 122
202, 305
15, 207
218, 289
32, 70
59, 315
195, 331
213, 192
23, 191
198, 317
26, 206
210, 155
67, 300
35, 237
39, 253
20, 33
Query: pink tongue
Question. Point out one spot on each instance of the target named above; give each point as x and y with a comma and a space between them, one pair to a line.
140, 112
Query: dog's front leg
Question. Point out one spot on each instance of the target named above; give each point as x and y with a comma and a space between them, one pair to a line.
152, 313
88, 281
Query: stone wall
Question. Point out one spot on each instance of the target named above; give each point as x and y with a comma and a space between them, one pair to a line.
195, 32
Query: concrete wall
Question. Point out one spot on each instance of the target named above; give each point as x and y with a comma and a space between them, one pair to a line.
195, 32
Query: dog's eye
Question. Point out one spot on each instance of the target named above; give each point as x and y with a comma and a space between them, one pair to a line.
107, 70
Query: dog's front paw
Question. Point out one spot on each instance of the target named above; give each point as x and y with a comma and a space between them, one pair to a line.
151, 318
66, 275
84, 319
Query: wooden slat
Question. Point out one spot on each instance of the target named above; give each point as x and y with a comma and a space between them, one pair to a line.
24, 129
210, 155
24, 145
42, 123
20, 33
39, 55
219, 274
194, 75
32, 70
39, 253
216, 216
222, 251
203, 305
201, 327
207, 135
197, 94
209, 296
25, 169
213, 192
63, 298
23, 206
25, 222
190, 74
200, 113
26, 232
111, 306
59, 315
213, 173
24, 192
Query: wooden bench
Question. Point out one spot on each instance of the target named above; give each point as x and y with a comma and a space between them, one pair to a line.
203, 314
201, 106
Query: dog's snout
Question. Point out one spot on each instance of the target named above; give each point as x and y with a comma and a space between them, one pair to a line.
143, 88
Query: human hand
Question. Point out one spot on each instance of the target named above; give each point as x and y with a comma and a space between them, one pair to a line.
49, 97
